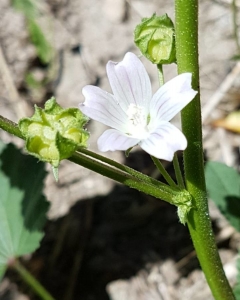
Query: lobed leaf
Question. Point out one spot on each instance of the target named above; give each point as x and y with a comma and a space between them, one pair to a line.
22, 205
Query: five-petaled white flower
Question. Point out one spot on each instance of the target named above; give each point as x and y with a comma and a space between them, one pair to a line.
137, 117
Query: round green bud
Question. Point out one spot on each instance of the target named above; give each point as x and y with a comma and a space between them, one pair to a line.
155, 37
54, 133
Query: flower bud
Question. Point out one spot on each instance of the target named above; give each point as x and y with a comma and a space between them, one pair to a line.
54, 133
155, 39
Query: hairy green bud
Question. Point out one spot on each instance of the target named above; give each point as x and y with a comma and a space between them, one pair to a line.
54, 133
155, 37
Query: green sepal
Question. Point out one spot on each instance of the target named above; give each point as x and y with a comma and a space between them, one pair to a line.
183, 201
155, 37
127, 152
54, 133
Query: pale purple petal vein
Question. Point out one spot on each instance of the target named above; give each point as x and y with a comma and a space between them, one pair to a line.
112, 140
132, 102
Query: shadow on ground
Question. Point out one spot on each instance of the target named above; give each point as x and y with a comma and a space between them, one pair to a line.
109, 238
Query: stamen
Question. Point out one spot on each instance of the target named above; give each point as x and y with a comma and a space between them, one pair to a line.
136, 114
137, 117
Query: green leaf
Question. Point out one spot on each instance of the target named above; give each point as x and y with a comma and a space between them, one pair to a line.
223, 185
43, 47
27, 7
236, 57
31, 12
22, 206
236, 288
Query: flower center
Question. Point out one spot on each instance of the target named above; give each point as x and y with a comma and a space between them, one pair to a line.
137, 121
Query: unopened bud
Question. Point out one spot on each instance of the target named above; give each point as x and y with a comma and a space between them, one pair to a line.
54, 133
155, 37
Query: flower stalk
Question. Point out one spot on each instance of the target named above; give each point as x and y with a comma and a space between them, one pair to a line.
163, 172
118, 172
178, 172
31, 281
10, 127
160, 74
199, 224
149, 187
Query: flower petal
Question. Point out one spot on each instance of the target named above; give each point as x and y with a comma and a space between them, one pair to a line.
130, 82
171, 98
166, 140
101, 106
112, 140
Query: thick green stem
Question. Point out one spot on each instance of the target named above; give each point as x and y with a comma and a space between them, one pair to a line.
186, 12
31, 281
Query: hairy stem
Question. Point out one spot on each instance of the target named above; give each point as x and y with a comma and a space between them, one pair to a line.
199, 224
160, 191
113, 170
163, 171
178, 172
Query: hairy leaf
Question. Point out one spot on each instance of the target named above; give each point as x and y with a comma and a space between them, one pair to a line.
22, 206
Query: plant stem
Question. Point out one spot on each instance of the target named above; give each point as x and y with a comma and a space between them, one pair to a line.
163, 172
186, 13
10, 127
160, 74
115, 171
178, 172
119, 166
31, 281
160, 191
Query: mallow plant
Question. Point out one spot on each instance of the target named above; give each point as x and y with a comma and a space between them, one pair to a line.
135, 116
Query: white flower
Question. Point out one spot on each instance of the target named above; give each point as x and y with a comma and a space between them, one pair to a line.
137, 117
